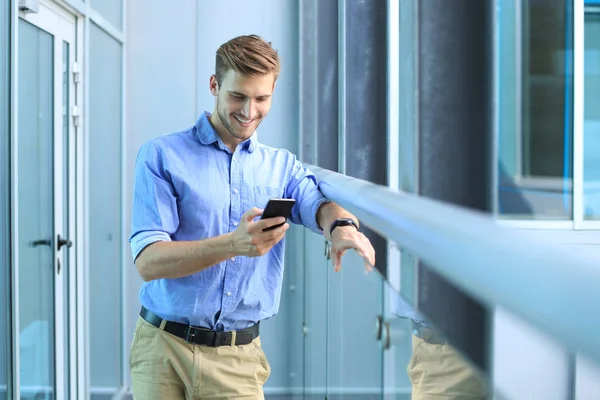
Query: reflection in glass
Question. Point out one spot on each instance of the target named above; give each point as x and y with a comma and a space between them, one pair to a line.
591, 127
36, 210
5, 292
535, 109
420, 357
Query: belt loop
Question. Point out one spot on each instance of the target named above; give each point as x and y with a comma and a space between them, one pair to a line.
233, 336
163, 323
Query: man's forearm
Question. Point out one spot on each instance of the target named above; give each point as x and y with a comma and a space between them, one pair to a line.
178, 259
329, 212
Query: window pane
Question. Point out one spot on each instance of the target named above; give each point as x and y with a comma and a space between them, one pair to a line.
5, 325
591, 148
35, 217
68, 267
535, 109
112, 10
105, 211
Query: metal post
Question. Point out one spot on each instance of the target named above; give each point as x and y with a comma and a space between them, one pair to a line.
455, 118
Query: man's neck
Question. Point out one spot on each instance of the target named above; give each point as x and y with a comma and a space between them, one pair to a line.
228, 140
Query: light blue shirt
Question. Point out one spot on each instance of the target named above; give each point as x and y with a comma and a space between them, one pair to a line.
190, 186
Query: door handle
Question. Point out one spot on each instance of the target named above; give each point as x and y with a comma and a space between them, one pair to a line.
41, 242
60, 242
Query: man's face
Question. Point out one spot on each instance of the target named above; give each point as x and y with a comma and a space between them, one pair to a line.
242, 101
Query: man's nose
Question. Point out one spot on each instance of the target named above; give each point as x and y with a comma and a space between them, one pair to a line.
249, 110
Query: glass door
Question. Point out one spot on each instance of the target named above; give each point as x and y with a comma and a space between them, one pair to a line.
46, 44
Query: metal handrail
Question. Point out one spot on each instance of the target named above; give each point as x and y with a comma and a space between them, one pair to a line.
548, 285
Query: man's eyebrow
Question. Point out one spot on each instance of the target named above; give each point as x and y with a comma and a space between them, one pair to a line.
243, 95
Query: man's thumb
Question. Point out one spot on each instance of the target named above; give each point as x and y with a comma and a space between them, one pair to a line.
251, 214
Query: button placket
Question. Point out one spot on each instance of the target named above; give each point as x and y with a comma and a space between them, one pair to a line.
236, 212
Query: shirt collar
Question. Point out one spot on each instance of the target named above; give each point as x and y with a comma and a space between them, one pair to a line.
207, 135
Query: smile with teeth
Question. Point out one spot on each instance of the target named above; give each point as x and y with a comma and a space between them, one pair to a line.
243, 122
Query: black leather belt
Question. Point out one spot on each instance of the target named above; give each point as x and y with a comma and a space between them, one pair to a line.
199, 335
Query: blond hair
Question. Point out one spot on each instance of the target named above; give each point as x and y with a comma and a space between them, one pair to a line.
247, 55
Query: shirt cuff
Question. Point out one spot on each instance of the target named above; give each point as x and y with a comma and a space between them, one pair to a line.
311, 220
143, 239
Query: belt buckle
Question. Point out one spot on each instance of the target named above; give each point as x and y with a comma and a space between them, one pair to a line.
191, 334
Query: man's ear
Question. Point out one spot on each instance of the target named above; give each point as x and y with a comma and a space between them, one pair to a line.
213, 85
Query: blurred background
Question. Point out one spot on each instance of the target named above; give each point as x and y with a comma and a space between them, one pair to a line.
490, 105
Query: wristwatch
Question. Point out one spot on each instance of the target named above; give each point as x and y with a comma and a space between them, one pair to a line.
342, 222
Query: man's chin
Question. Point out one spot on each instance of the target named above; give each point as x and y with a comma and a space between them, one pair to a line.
243, 135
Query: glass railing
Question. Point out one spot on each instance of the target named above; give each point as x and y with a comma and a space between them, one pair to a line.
376, 335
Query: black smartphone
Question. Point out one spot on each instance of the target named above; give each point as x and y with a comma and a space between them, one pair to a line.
278, 208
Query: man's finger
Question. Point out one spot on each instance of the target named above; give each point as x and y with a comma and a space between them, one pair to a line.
281, 235
336, 259
338, 254
368, 255
274, 236
368, 261
266, 223
362, 247
251, 214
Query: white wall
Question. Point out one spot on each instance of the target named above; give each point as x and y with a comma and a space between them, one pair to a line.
170, 54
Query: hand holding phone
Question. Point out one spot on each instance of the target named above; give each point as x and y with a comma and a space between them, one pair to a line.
278, 208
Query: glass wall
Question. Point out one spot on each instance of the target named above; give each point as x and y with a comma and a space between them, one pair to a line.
105, 239
535, 127
343, 64
591, 139
5, 292
534, 87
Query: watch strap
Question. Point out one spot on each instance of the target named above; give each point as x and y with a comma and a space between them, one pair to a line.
342, 222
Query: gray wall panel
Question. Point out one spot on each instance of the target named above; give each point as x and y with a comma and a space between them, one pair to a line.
105, 234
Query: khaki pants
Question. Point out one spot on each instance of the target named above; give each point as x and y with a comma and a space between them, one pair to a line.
165, 367
438, 372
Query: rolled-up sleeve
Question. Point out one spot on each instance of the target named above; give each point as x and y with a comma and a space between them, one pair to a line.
154, 211
302, 186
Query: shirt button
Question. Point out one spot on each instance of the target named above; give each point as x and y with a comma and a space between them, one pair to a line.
235, 224
235, 191
232, 258
228, 293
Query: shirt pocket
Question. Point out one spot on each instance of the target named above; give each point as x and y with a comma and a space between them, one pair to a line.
262, 195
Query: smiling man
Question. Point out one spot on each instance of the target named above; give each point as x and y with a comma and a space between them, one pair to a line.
211, 272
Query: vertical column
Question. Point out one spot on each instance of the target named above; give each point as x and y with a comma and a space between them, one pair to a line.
366, 100
455, 110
